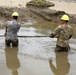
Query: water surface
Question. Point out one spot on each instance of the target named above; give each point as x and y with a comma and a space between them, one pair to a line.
35, 55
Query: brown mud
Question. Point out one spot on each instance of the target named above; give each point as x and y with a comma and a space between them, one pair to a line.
34, 13
49, 14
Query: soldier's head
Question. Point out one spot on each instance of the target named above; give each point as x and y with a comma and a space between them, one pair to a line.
15, 15
65, 18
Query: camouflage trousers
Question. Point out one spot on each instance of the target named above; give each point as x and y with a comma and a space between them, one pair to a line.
62, 49
13, 42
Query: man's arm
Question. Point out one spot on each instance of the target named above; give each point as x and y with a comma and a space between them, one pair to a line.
5, 29
55, 32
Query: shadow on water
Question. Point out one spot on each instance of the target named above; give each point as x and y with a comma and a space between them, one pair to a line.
12, 61
62, 64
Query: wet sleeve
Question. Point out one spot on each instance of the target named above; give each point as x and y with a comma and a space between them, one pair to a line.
5, 29
55, 32
19, 26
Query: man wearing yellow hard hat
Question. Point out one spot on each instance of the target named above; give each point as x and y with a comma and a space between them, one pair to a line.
63, 33
12, 27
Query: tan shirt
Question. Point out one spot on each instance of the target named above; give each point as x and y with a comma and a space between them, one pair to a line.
63, 33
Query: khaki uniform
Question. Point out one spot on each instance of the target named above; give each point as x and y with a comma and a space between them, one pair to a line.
63, 33
12, 27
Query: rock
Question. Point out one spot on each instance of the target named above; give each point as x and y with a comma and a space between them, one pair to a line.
38, 4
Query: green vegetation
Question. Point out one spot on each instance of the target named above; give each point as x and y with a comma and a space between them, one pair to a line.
38, 3
41, 2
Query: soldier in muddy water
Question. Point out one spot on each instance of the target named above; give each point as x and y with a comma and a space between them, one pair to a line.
63, 33
12, 27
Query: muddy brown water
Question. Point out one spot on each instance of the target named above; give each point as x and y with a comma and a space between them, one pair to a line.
35, 55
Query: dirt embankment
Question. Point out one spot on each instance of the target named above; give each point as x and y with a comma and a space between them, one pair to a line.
32, 13
24, 15
49, 14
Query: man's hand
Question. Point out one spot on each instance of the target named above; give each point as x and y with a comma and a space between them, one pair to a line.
5, 34
52, 36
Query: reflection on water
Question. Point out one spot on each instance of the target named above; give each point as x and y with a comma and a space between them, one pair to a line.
12, 61
36, 48
62, 64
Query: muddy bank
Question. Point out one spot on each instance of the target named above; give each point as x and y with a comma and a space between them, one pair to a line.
50, 14
25, 16
32, 13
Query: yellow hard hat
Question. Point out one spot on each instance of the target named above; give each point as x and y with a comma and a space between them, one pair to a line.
65, 17
15, 14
